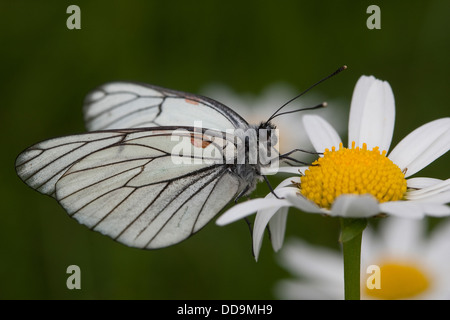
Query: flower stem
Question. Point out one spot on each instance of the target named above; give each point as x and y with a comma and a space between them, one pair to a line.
351, 236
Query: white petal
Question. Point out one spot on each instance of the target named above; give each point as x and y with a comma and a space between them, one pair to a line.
276, 217
321, 133
420, 183
439, 198
355, 206
425, 194
246, 208
277, 226
439, 241
401, 236
436, 210
284, 191
422, 146
430, 197
262, 219
415, 209
370, 246
314, 262
403, 209
359, 98
372, 114
304, 204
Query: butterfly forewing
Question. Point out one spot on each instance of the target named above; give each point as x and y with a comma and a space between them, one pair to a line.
182, 207
130, 185
41, 165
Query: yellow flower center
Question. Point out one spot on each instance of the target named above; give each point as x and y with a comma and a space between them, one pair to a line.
352, 171
399, 281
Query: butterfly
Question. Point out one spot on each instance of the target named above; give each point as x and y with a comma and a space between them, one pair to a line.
146, 174
123, 178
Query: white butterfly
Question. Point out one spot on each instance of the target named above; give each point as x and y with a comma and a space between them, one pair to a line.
124, 179
120, 178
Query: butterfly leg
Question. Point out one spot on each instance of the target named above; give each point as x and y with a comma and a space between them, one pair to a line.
270, 187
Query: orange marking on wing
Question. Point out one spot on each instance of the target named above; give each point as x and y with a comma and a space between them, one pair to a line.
198, 141
191, 101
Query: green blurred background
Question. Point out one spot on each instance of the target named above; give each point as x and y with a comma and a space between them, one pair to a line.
46, 70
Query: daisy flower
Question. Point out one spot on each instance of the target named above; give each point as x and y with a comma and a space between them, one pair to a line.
362, 180
411, 265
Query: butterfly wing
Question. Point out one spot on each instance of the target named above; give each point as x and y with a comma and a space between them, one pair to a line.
129, 185
120, 105
43, 164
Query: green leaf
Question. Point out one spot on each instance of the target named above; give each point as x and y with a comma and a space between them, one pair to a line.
352, 227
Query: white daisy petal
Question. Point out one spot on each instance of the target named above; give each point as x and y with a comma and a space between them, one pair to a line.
438, 243
246, 208
401, 236
277, 226
275, 217
415, 209
422, 146
372, 114
435, 209
369, 245
403, 209
443, 186
438, 198
355, 206
283, 190
321, 133
304, 204
359, 98
261, 221
419, 183
320, 263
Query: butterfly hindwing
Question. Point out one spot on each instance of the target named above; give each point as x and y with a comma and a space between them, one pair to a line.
120, 105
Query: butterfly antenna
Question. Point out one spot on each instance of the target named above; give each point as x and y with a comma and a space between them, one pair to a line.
302, 93
322, 105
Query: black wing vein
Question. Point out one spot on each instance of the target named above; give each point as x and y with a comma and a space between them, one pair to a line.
220, 173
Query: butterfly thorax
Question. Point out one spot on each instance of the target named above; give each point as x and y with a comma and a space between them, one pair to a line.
257, 152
